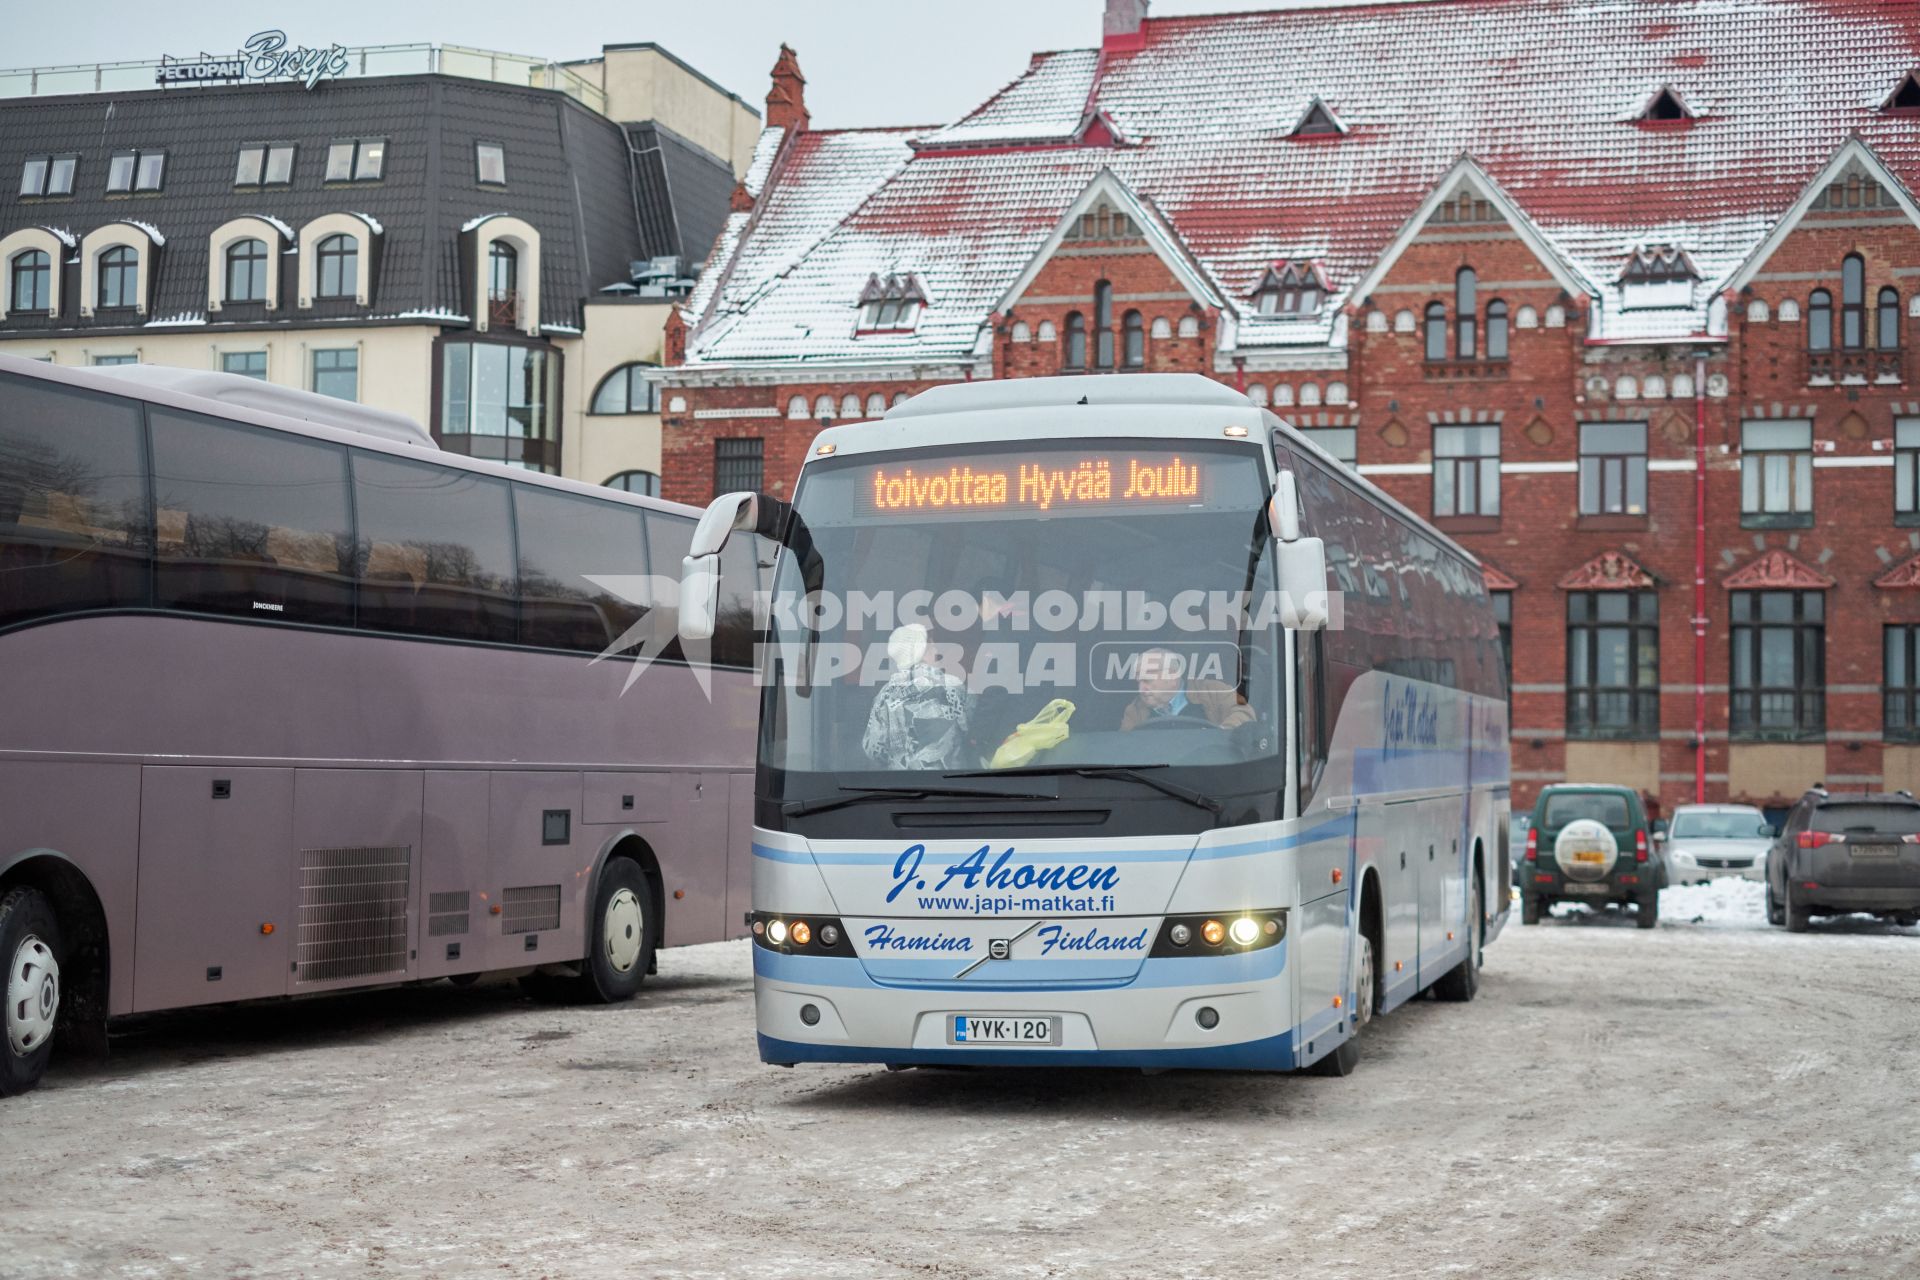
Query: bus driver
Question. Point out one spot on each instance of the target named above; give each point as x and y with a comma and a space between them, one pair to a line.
1167, 694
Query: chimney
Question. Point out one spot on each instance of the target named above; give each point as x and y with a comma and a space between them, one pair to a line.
740, 201
1125, 27
787, 100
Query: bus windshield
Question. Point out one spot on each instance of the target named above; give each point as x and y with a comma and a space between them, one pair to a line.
1034, 608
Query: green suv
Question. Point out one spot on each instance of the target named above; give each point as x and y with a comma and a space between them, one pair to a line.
1591, 844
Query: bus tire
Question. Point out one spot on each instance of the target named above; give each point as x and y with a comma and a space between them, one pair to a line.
1341, 1061
1529, 909
622, 933
31, 948
1462, 982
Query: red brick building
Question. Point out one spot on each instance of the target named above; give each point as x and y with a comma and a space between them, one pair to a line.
1619, 294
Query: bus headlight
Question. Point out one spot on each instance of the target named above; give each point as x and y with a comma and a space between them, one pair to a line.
796, 937
1230, 933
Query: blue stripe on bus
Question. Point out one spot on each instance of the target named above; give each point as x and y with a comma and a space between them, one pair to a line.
1181, 853
1023, 975
1274, 1053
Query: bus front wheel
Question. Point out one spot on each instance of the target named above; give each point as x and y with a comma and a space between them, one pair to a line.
622, 934
30, 945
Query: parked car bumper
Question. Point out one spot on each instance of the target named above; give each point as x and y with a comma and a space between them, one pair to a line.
1688, 870
1859, 897
1628, 884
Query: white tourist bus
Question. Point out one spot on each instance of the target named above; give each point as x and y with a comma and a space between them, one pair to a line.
1257, 829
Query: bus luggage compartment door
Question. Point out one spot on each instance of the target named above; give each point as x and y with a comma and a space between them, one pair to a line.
356, 844
216, 905
1391, 837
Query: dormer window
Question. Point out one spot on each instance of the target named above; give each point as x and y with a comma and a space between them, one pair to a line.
1665, 105
1290, 289
892, 304
1317, 121
1905, 95
1657, 276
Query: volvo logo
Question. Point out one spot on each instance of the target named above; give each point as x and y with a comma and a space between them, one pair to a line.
999, 948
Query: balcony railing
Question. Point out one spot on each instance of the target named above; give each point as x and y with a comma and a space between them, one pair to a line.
503, 310
364, 60
1856, 368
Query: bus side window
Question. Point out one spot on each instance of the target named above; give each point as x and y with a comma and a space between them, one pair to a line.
250, 522
1310, 698
564, 540
436, 550
74, 523
669, 538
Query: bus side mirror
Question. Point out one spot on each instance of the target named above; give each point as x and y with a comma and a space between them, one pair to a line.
1302, 561
700, 570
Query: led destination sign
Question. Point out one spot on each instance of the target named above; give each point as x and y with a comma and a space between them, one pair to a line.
1039, 482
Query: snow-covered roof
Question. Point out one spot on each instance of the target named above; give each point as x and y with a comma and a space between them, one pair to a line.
1533, 92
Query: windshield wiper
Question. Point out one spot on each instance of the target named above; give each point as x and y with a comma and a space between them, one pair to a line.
863, 795
1127, 772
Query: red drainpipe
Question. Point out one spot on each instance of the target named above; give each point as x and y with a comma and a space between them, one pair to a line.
1240, 374
1699, 579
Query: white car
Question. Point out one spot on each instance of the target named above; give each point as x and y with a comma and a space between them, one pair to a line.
1708, 841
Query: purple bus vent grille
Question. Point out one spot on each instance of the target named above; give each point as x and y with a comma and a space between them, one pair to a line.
530, 908
446, 914
353, 912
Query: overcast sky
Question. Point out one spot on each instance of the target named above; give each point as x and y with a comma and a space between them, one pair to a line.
866, 61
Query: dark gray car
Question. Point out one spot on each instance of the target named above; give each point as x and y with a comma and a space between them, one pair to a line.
1838, 854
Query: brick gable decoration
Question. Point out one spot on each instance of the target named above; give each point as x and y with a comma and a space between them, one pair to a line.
1776, 570
1608, 571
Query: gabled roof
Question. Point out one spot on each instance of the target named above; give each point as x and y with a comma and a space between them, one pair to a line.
1160, 237
1538, 93
1469, 175
1852, 151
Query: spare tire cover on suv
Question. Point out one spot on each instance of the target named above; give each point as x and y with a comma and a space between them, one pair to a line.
1584, 835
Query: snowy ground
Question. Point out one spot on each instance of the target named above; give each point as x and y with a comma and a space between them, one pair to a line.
1711, 1099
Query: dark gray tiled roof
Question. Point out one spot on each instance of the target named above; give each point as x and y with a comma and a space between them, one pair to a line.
567, 174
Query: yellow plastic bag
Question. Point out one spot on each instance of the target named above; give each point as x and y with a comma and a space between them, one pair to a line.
1043, 732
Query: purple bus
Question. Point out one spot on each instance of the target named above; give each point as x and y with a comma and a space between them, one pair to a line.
291, 702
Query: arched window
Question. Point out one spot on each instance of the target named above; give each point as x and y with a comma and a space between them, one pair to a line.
1436, 331
1161, 329
1282, 394
1496, 330
876, 405
1136, 340
1021, 333
1404, 322
1757, 312
336, 267
1076, 353
1103, 325
1336, 393
1886, 325
644, 483
797, 407
626, 390
823, 408
119, 277
849, 406
1853, 303
247, 271
1258, 394
1819, 321
503, 271
1466, 308
1310, 394
32, 281
1046, 331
